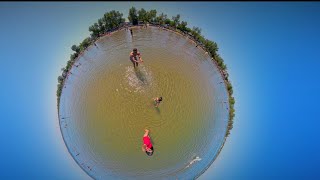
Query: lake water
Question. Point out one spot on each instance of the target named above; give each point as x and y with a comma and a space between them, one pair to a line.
106, 105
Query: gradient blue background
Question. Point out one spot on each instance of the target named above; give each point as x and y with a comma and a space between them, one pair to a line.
271, 50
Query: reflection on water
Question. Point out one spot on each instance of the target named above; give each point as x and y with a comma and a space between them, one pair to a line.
107, 104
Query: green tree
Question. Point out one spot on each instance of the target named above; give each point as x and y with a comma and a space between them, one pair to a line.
69, 64
63, 69
101, 25
167, 21
161, 19
73, 56
152, 15
229, 87
84, 44
196, 30
201, 39
64, 72
60, 79
211, 46
231, 100
59, 89
223, 67
176, 20
188, 29
75, 48
133, 17
172, 24
108, 21
142, 15
113, 19
231, 114
94, 29
183, 26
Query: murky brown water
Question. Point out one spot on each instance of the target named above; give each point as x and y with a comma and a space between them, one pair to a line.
107, 104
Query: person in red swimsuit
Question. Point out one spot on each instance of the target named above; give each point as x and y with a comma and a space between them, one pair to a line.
147, 145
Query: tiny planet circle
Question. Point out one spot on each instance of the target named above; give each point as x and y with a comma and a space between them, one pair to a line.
111, 114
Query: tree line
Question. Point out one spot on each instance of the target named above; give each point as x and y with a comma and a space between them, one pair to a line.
113, 20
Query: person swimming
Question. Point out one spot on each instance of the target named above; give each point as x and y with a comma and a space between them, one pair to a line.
157, 101
147, 145
133, 57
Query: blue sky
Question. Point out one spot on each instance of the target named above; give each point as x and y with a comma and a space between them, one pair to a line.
271, 50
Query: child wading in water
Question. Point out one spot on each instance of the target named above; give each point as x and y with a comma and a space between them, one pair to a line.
157, 101
147, 145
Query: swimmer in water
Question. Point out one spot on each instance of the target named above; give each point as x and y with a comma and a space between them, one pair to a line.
147, 145
157, 100
134, 59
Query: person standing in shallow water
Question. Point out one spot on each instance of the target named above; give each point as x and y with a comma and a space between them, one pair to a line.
134, 59
157, 101
147, 145
131, 32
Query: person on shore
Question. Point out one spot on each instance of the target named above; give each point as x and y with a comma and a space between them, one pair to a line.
157, 101
147, 145
134, 59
